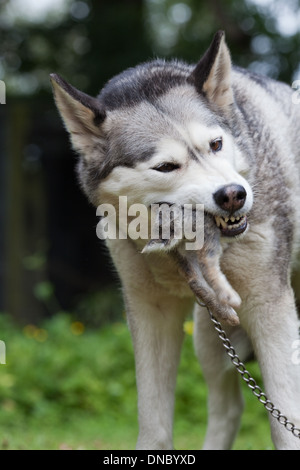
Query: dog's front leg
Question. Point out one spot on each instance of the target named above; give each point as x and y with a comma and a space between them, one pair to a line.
155, 319
273, 328
156, 325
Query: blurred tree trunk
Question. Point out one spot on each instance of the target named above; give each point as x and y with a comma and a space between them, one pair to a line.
118, 37
14, 228
25, 217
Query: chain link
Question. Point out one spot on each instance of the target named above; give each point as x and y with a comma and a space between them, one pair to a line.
246, 376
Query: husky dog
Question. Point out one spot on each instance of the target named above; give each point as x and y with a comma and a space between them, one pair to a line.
220, 136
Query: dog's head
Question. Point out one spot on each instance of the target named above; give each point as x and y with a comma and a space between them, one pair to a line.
163, 132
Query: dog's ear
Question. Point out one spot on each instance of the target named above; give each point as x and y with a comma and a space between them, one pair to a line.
212, 74
81, 114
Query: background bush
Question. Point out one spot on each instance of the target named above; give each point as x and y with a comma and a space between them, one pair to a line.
68, 386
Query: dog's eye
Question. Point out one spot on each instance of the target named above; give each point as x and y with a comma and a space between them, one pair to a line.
166, 167
216, 145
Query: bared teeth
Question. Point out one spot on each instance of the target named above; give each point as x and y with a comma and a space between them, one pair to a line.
217, 219
236, 222
223, 223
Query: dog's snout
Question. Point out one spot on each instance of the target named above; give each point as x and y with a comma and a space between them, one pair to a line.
231, 197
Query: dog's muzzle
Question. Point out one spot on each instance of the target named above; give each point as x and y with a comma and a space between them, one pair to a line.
231, 199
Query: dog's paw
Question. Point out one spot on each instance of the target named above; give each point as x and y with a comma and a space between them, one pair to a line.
227, 315
230, 297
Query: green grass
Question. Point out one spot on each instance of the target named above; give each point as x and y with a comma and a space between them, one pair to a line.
68, 387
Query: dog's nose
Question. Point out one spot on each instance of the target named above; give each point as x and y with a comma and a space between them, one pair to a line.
231, 197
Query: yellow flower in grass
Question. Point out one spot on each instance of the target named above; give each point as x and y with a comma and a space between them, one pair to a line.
41, 335
77, 328
188, 327
32, 331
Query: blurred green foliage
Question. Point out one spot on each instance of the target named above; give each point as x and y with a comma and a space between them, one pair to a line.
262, 35
57, 369
88, 41
64, 384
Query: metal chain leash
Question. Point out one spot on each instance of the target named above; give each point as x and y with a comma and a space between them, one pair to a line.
246, 376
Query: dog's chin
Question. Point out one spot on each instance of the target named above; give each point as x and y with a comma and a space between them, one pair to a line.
232, 226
